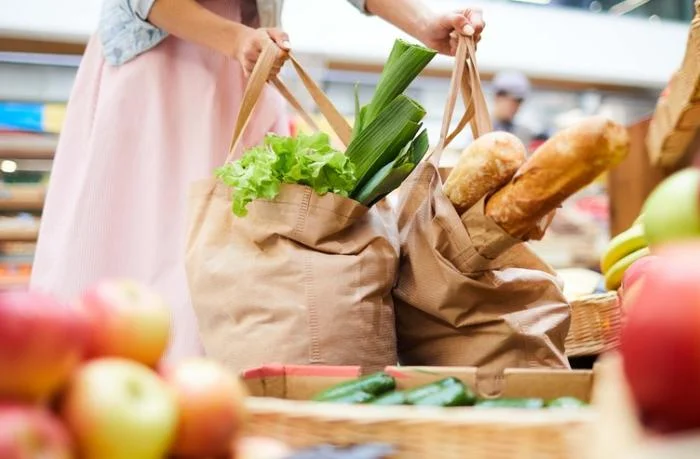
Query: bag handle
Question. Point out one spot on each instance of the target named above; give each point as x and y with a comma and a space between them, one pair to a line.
257, 81
465, 79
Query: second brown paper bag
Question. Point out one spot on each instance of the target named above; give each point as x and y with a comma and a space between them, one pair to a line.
469, 294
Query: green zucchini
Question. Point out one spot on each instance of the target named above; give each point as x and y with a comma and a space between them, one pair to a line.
420, 392
566, 402
392, 398
351, 398
374, 384
451, 395
523, 403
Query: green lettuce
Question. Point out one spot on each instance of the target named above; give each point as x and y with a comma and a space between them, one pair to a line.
305, 160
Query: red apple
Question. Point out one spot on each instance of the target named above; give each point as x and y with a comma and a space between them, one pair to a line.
129, 320
660, 341
41, 342
28, 432
637, 270
633, 277
119, 409
211, 409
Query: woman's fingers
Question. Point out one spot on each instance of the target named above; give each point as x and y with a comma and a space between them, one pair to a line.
280, 38
476, 19
469, 22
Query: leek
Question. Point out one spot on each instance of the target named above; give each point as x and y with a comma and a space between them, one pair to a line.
405, 63
391, 176
382, 140
384, 148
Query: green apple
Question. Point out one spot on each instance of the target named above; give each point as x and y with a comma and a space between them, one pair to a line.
120, 409
672, 210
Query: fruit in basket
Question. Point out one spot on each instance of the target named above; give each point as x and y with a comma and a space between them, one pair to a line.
28, 432
41, 342
659, 341
614, 276
120, 409
210, 405
260, 448
625, 243
672, 210
129, 320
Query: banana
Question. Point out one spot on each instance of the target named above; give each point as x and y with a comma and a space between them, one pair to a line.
613, 278
622, 245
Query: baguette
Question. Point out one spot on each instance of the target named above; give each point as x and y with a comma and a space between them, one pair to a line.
566, 163
484, 166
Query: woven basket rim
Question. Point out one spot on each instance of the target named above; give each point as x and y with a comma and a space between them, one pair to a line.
594, 298
503, 417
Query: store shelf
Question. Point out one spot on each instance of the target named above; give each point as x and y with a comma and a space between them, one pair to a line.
22, 198
18, 234
19, 146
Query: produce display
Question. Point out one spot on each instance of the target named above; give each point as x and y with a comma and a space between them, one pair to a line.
387, 143
88, 380
380, 389
84, 380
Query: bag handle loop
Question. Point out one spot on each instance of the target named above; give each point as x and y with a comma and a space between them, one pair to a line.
465, 80
259, 77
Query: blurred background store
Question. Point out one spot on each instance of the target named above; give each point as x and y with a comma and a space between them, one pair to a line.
580, 57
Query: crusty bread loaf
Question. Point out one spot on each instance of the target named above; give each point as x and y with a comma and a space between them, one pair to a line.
484, 166
567, 162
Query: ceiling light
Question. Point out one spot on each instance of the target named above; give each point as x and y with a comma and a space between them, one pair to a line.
8, 166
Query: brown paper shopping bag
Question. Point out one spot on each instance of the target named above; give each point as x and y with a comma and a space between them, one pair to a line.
303, 278
468, 293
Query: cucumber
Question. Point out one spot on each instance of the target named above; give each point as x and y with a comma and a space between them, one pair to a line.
523, 403
451, 395
392, 398
352, 398
374, 384
566, 402
420, 392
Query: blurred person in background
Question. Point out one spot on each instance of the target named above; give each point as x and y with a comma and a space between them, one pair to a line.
152, 110
510, 91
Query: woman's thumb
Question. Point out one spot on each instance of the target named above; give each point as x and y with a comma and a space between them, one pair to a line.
280, 38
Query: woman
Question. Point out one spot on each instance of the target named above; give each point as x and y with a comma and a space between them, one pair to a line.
152, 110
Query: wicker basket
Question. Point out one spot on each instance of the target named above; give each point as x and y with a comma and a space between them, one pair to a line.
429, 433
595, 325
423, 432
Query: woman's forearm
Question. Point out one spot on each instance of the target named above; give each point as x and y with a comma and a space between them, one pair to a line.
411, 16
190, 21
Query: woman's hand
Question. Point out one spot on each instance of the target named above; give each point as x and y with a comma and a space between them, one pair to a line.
249, 44
191, 21
440, 32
